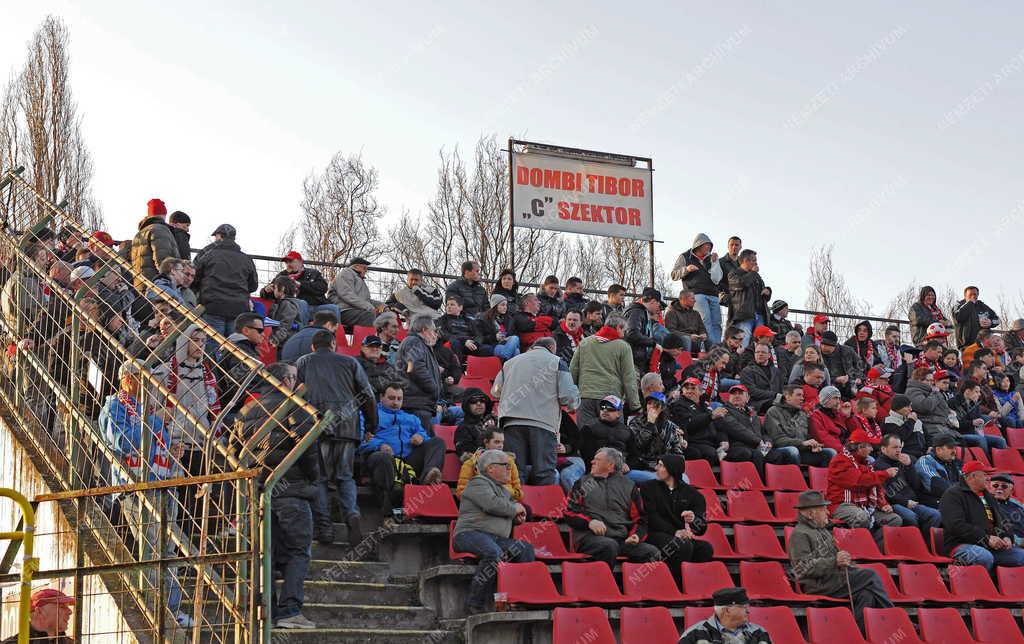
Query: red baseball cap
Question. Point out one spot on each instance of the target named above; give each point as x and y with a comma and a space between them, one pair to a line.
763, 332
977, 466
691, 381
821, 317
292, 254
879, 372
940, 374
103, 238
738, 388
50, 596
859, 436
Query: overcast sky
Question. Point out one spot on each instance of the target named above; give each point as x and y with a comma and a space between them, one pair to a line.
893, 131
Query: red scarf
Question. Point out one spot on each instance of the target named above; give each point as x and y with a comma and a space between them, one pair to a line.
869, 352
607, 334
895, 359
710, 385
934, 310
576, 336
814, 336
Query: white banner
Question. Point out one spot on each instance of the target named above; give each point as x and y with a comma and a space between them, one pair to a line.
554, 193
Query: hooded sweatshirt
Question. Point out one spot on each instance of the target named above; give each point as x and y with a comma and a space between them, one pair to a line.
704, 280
469, 432
866, 350
193, 383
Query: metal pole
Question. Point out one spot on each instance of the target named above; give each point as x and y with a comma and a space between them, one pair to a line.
78, 591
651, 250
650, 193
511, 211
29, 563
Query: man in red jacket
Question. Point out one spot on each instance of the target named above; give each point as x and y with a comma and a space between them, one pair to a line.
856, 492
830, 420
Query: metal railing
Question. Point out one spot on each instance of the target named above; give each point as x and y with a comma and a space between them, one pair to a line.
164, 492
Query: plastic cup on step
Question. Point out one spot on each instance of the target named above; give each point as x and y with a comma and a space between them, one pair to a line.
501, 602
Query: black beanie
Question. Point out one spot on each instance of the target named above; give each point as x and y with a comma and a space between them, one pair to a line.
675, 464
672, 341
899, 401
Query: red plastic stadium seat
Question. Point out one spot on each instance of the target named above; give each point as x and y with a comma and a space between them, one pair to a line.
1011, 580
767, 580
544, 501
684, 359
700, 474
650, 582
573, 625
481, 367
340, 339
429, 502
447, 434
715, 535
700, 580
784, 477
943, 626
936, 543
740, 476
1008, 460
995, 625
1018, 487
973, 583
267, 352
359, 333
757, 542
779, 622
749, 506
456, 556
830, 625
923, 580
992, 429
818, 476
860, 544
647, 626
451, 468
714, 510
480, 383
696, 614
1015, 437
529, 583
979, 455
894, 593
881, 624
784, 502
592, 583
908, 543
546, 540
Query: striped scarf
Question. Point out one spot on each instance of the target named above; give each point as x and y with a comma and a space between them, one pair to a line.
895, 359
934, 311
864, 497
710, 385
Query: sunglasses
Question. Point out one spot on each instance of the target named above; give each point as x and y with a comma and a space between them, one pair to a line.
255, 328
1001, 486
607, 408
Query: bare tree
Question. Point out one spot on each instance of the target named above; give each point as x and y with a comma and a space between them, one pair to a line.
41, 130
340, 211
286, 242
827, 290
899, 306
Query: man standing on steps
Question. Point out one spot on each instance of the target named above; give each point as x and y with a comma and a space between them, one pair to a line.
338, 384
225, 277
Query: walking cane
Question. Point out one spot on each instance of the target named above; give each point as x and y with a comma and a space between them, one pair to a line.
849, 589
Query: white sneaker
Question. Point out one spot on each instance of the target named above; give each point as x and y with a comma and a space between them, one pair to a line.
184, 620
295, 621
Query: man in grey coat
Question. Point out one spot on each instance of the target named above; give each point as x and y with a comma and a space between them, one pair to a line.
486, 515
415, 358
822, 568
352, 295
532, 388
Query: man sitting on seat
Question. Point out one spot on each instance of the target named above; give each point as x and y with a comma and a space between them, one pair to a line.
939, 470
400, 436
787, 426
822, 568
486, 516
902, 490
856, 491
604, 513
730, 623
973, 530
1012, 510
492, 439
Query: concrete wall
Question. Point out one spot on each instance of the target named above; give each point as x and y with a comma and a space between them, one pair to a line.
55, 548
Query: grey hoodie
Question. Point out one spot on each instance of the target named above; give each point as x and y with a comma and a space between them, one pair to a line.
192, 392
707, 278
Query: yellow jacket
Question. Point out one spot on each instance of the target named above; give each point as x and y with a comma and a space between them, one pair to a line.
468, 471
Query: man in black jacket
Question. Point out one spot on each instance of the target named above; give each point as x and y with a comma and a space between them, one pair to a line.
970, 316
337, 383
378, 370
312, 285
225, 277
845, 368
468, 287
179, 223
748, 296
292, 498
972, 527
415, 358
675, 514
902, 490
693, 416
607, 431
232, 371
640, 323
742, 429
459, 330
550, 298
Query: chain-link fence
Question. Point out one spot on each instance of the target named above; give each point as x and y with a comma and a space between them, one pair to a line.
152, 430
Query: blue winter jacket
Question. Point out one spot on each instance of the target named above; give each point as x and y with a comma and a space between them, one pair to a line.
396, 429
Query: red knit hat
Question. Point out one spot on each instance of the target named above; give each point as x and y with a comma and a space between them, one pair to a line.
156, 208
103, 238
821, 317
859, 436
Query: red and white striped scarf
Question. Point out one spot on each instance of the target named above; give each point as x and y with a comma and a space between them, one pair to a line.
895, 359
935, 312
710, 385
870, 497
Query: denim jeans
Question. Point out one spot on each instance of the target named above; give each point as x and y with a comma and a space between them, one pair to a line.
339, 461
306, 311
984, 441
572, 472
490, 549
967, 555
748, 327
221, 325
534, 448
291, 538
132, 511
639, 476
711, 312
507, 349
921, 516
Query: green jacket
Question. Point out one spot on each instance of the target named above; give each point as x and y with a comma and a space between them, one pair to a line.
605, 368
485, 506
787, 426
812, 556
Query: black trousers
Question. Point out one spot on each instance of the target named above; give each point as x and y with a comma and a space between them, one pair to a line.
702, 451
674, 551
381, 467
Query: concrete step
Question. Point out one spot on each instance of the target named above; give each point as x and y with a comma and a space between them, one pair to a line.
362, 636
352, 571
370, 616
344, 592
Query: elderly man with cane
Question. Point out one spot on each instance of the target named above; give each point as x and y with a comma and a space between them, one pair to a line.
822, 568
